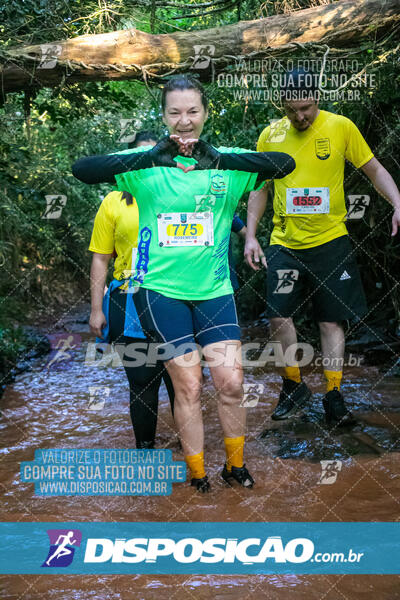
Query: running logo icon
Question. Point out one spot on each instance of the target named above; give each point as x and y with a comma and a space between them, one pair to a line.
357, 206
278, 130
202, 55
50, 53
251, 394
286, 280
63, 346
127, 135
63, 543
54, 206
330, 470
98, 396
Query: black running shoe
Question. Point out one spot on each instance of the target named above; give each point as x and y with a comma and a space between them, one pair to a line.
201, 484
239, 474
291, 399
335, 409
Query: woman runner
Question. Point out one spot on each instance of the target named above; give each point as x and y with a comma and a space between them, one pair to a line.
187, 192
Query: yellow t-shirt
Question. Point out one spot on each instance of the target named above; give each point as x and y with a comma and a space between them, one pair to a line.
116, 228
320, 152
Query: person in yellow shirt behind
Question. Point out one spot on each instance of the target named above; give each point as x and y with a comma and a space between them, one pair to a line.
113, 317
310, 256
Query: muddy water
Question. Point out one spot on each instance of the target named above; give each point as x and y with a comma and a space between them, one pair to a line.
49, 409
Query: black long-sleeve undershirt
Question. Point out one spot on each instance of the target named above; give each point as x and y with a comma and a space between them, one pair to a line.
268, 165
102, 169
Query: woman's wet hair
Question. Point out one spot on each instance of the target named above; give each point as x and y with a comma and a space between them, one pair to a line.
127, 197
183, 82
143, 136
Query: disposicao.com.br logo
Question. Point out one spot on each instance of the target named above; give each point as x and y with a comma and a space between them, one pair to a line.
200, 547
247, 551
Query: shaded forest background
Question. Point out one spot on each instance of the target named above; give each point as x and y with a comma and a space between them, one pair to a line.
44, 263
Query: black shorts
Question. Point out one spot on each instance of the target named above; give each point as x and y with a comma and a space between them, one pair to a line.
327, 275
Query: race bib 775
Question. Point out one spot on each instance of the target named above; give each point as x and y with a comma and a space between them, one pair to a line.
185, 229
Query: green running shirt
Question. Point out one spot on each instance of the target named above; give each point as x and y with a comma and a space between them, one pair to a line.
163, 194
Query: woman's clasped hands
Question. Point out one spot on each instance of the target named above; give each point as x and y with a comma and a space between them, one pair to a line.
164, 152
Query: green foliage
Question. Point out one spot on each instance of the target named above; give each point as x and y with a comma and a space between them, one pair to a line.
13, 343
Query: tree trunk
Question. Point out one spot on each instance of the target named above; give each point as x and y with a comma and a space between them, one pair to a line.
132, 54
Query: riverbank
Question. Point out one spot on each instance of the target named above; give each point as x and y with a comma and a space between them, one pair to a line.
25, 326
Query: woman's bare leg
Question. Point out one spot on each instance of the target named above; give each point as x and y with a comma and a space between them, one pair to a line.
187, 382
227, 374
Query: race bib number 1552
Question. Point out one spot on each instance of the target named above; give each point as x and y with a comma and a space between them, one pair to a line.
307, 201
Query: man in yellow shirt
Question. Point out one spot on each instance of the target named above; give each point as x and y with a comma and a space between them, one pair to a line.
310, 256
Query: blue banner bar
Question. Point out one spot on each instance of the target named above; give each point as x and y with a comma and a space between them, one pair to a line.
200, 548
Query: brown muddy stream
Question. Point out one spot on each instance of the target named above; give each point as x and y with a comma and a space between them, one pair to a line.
49, 409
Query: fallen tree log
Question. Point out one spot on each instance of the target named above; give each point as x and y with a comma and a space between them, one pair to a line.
133, 54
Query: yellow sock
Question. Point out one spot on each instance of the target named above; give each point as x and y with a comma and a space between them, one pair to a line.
234, 452
333, 379
195, 462
293, 373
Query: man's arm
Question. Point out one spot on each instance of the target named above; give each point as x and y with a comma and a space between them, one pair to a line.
255, 210
385, 185
242, 232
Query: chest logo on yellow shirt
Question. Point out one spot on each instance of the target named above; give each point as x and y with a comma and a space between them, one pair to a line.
323, 148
